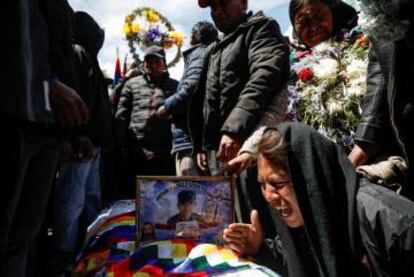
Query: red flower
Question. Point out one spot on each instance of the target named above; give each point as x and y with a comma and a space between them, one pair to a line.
305, 74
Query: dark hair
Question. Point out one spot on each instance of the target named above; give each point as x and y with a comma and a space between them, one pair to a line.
87, 32
344, 16
273, 148
186, 196
204, 32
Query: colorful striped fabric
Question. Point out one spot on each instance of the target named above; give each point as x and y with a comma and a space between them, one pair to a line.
110, 252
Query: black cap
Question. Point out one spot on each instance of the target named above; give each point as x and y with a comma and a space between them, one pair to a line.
155, 51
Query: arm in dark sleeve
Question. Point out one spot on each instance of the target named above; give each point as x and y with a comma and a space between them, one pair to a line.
195, 114
177, 103
268, 55
123, 114
374, 127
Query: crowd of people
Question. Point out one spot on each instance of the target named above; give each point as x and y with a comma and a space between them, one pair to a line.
69, 148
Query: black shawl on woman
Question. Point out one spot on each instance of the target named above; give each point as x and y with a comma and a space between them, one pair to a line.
326, 186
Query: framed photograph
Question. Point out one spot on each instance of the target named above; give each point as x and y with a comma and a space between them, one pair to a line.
197, 208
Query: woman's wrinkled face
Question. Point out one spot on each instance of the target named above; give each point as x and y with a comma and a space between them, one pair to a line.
279, 193
313, 23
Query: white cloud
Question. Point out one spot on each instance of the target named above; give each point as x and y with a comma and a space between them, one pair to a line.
183, 14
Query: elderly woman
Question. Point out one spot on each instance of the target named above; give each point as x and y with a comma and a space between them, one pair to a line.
315, 21
328, 218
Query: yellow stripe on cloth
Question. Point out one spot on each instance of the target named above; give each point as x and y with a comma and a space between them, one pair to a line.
227, 255
91, 265
168, 250
141, 274
203, 250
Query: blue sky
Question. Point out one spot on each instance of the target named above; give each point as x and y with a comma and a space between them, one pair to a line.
182, 14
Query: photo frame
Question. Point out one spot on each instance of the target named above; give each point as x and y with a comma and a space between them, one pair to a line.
196, 208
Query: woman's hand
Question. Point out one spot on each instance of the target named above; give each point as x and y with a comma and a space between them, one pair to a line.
245, 239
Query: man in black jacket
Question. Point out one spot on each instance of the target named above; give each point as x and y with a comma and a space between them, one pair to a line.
246, 69
32, 98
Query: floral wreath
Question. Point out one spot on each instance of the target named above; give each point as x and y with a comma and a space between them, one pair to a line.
155, 29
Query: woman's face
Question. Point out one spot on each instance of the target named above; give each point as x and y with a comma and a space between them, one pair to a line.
278, 191
313, 23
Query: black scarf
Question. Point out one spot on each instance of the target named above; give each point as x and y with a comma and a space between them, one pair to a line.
326, 186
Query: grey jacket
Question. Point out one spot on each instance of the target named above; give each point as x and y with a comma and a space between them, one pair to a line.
246, 69
136, 120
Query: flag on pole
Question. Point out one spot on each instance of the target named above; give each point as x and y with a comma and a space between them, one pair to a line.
124, 68
117, 75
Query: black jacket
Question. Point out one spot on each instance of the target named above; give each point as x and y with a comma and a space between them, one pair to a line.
177, 104
345, 217
246, 69
25, 46
136, 120
92, 89
91, 82
388, 106
58, 14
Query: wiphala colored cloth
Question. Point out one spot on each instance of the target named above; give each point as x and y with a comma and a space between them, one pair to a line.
109, 251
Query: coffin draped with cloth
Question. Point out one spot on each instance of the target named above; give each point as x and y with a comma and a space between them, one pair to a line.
110, 250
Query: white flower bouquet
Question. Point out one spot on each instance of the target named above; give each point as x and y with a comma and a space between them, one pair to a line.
329, 85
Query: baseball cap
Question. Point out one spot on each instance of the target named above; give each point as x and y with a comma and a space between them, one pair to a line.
156, 51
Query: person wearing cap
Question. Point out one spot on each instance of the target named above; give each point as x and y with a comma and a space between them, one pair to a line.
145, 136
244, 71
202, 34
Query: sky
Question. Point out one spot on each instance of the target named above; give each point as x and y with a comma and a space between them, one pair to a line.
183, 14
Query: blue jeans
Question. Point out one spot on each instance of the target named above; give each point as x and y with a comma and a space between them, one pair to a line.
77, 193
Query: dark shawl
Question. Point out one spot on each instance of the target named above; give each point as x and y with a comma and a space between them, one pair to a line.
326, 186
